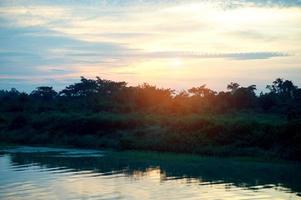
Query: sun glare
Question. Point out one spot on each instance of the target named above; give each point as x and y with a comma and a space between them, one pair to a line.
176, 63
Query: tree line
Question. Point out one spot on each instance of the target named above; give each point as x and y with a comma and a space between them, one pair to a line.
98, 113
96, 95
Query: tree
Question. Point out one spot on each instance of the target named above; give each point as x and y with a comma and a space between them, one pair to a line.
282, 87
276, 86
147, 96
90, 87
267, 101
85, 87
233, 87
288, 89
202, 91
107, 87
245, 97
181, 102
44, 92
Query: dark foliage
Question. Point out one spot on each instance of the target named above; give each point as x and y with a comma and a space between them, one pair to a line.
103, 113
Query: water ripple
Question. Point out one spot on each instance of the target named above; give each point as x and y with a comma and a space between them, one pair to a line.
40, 176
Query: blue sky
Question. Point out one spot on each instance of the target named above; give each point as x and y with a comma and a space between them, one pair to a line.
178, 44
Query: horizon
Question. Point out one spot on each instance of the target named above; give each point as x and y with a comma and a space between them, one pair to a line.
171, 44
176, 90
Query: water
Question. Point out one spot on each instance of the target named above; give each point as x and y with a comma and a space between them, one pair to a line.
52, 173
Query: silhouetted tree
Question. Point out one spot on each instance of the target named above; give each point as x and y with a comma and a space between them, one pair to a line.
84, 88
267, 101
245, 97
233, 87
181, 102
88, 87
44, 92
201, 91
282, 87
147, 96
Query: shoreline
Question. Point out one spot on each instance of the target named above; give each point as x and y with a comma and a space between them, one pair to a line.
138, 154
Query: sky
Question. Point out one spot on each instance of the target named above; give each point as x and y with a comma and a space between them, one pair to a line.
173, 43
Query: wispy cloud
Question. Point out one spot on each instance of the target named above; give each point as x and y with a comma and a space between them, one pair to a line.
71, 38
252, 55
136, 54
235, 56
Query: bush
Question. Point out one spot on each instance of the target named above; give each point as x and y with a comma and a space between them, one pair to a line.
18, 122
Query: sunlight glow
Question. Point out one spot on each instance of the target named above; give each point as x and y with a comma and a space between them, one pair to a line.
176, 63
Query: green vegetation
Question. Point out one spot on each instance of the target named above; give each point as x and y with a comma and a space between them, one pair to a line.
106, 114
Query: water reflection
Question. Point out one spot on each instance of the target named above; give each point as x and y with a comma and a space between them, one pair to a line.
122, 175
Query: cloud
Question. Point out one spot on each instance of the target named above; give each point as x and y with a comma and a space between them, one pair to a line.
234, 56
253, 55
29, 50
56, 39
253, 35
282, 3
27, 84
139, 54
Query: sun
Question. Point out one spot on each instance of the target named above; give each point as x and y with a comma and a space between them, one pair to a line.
176, 63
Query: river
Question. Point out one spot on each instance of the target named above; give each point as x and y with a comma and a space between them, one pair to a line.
58, 173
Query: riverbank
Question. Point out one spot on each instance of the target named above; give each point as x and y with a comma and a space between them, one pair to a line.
140, 155
236, 135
